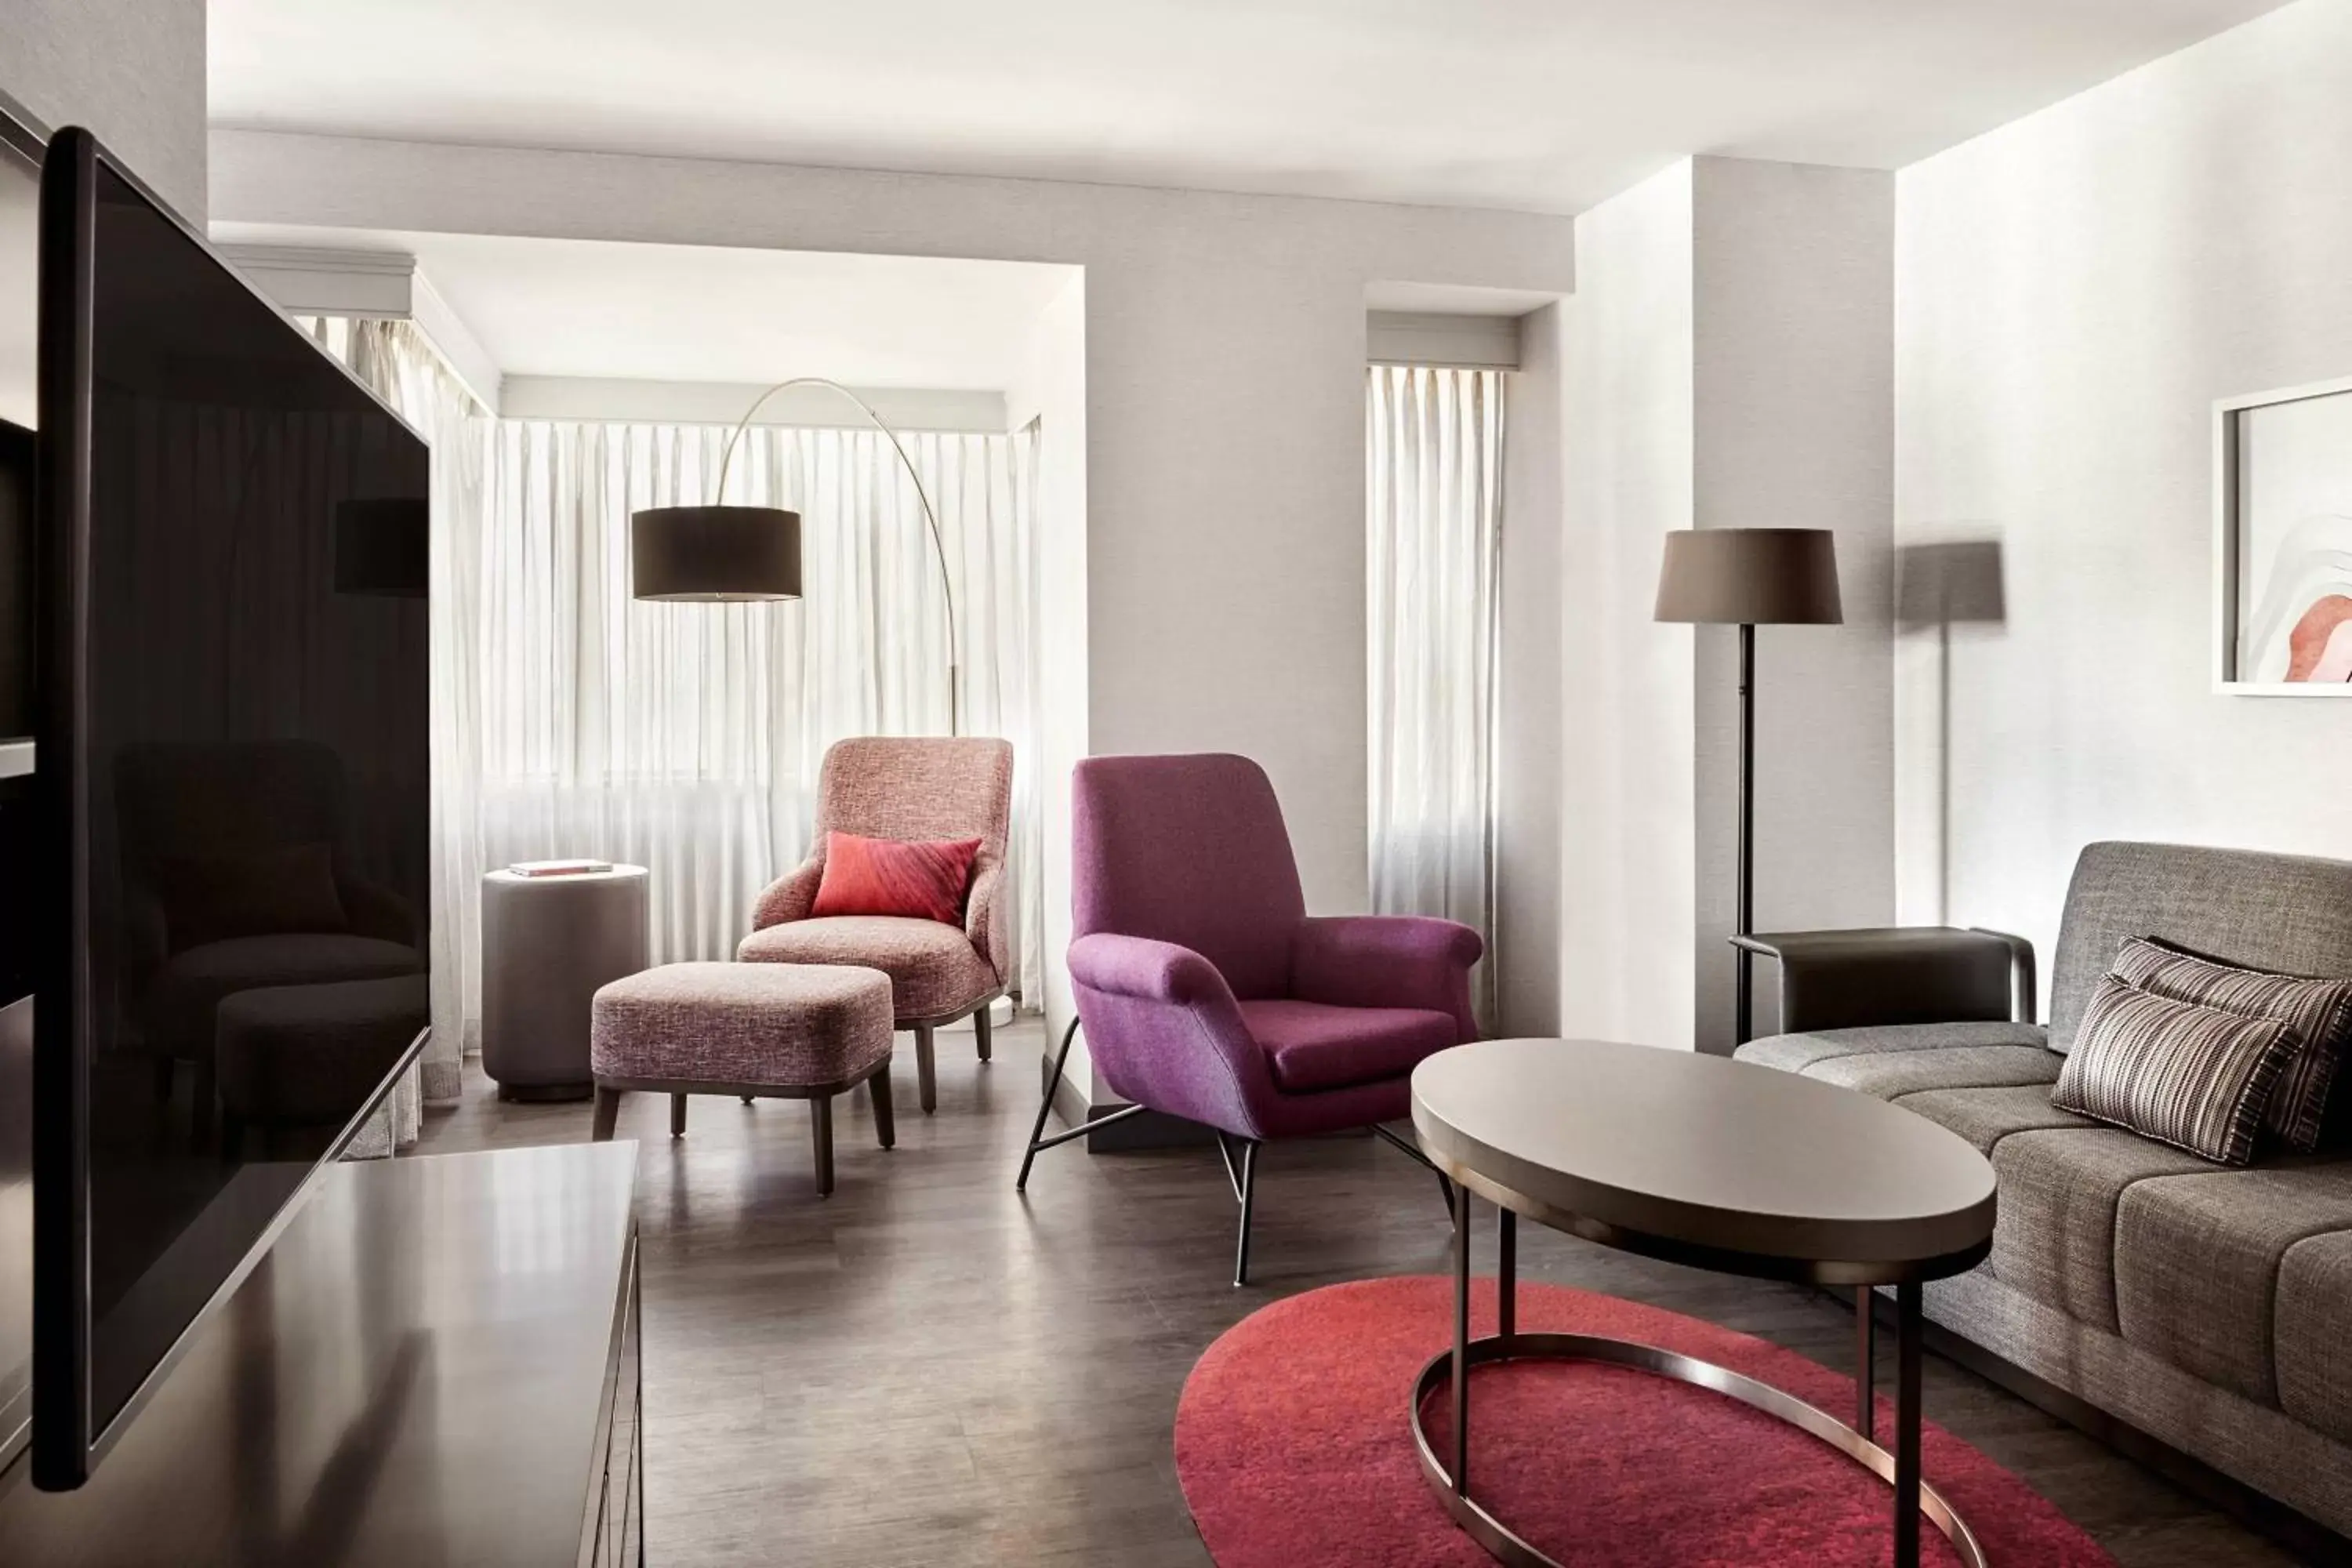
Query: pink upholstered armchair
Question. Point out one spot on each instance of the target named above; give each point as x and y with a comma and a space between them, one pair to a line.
907, 789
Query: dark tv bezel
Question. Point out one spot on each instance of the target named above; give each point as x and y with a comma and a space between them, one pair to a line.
67, 1440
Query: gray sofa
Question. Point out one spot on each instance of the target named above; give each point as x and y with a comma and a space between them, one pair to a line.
2207, 1308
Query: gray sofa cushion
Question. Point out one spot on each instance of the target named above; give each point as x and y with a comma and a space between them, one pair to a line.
1986, 1115
1891, 1074
2313, 1327
2288, 913
2055, 1237
1795, 1053
2197, 1264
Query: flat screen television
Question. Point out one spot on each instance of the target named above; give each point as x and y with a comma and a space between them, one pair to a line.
232, 764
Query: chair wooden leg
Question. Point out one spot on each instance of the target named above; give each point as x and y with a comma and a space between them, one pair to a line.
747, 1100
885, 1124
608, 1113
678, 1116
820, 1130
927, 1073
980, 1027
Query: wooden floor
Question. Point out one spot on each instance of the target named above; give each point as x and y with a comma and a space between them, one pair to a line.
928, 1369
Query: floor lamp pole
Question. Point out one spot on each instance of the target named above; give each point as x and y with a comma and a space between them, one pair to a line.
1745, 917
1748, 577
931, 518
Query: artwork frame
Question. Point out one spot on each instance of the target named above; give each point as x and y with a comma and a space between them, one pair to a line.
2283, 570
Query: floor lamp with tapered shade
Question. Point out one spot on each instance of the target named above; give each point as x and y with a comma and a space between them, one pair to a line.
1748, 577
746, 554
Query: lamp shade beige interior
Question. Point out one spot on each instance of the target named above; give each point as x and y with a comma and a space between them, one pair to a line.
1750, 577
714, 554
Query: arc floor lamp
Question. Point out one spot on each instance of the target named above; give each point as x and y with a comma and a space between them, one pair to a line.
1748, 577
746, 554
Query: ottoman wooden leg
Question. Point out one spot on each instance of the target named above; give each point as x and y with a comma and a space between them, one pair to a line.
980, 1027
678, 1116
821, 1129
886, 1127
927, 1074
608, 1113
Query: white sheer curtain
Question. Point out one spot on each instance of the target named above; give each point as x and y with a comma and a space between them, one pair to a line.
401, 365
1433, 442
577, 720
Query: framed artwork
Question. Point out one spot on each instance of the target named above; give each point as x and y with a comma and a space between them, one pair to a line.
2283, 542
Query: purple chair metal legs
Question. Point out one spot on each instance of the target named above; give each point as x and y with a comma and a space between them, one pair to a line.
1208, 993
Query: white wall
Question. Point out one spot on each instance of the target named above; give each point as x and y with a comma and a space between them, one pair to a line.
1793, 366
1224, 371
131, 70
2073, 292
1729, 361
1626, 799
1527, 751
1225, 397
1051, 391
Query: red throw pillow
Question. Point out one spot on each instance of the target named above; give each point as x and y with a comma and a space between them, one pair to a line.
924, 879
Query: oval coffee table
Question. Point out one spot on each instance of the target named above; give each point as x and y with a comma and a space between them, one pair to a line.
1704, 1161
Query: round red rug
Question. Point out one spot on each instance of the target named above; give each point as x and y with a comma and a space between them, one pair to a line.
1293, 1450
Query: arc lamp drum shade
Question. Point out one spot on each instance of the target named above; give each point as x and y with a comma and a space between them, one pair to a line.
714, 554
1750, 577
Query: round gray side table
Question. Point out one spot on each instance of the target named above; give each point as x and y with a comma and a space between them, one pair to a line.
1706, 1160
548, 943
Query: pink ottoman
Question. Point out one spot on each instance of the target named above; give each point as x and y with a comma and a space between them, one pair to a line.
784, 1031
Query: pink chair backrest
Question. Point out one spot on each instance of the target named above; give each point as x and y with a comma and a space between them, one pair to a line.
921, 786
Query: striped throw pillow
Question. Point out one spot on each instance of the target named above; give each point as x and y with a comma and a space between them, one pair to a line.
2195, 1077
2318, 1011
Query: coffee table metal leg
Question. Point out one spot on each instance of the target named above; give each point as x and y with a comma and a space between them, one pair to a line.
1507, 1275
1865, 1361
1461, 1340
1906, 1426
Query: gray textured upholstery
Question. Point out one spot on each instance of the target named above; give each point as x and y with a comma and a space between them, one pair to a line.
1891, 1059
1796, 1053
1986, 1115
2313, 1329
2211, 1308
2055, 1237
2290, 913
1888, 1074
2197, 1264
2294, 1460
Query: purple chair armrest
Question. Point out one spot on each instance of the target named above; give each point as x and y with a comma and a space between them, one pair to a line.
1145, 970
790, 896
1387, 960
1164, 1031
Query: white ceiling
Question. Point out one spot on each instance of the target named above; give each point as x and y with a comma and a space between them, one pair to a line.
682, 312
1546, 105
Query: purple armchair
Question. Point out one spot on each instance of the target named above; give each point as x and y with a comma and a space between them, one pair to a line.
1206, 990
